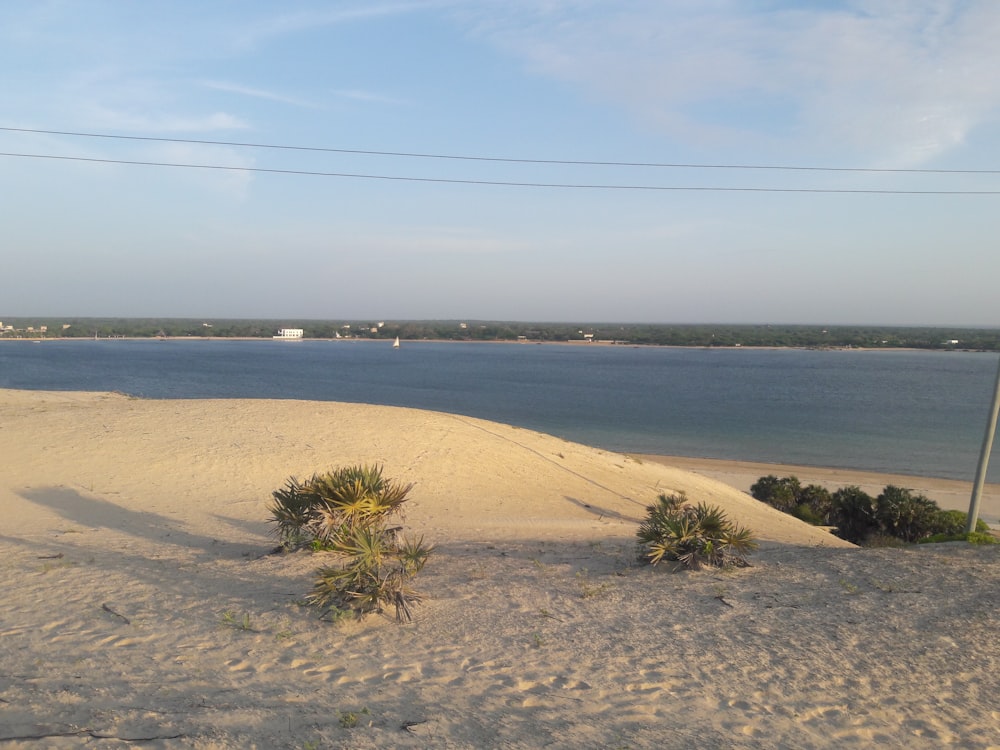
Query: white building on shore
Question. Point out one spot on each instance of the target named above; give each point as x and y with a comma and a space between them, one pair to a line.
289, 333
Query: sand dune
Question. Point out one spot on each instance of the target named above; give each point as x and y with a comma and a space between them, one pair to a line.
139, 605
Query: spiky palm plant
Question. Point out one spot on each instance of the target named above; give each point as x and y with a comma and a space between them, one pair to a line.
374, 573
413, 553
318, 508
350, 504
692, 535
346, 512
292, 511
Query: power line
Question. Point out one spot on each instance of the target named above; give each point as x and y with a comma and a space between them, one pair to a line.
501, 159
502, 183
456, 181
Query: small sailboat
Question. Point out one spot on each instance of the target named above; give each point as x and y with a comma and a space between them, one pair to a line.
395, 344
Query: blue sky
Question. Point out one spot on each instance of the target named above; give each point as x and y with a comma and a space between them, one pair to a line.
885, 85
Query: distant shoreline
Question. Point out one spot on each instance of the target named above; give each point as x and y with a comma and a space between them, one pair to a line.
687, 335
528, 342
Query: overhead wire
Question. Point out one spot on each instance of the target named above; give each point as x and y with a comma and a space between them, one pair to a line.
570, 162
502, 183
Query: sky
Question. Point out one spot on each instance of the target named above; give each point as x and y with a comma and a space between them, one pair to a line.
775, 161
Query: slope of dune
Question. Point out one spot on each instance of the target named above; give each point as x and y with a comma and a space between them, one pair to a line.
141, 607
202, 462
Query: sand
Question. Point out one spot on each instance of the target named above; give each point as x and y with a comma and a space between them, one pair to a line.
141, 609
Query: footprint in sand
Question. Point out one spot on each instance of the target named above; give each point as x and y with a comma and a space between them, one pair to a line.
240, 665
121, 641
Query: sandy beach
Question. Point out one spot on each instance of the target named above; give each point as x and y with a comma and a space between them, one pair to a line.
142, 609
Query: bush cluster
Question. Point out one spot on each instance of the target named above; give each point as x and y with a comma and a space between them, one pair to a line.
693, 535
812, 503
895, 514
347, 512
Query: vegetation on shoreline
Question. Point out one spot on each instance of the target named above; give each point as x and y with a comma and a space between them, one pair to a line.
897, 515
707, 335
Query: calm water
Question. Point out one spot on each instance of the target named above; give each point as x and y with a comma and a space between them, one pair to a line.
908, 412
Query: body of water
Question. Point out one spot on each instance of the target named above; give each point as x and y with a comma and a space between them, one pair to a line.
911, 412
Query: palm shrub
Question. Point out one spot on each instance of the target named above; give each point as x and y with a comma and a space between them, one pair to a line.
374, 572
895, 516
313, 511
781, 493
814, 505
811, 503
855, 514
897, 513
347, 512
293, 509
906, 515
693, 535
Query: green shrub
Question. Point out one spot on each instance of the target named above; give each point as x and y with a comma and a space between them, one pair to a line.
347, 512
949, 523
779, 493
854, 513
953, 522
805, 512
896, 514
981, 537
976, 537
819, 501
811, 503
905, 515
692, 535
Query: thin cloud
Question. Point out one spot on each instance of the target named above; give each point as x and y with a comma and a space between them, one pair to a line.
113, 98
367, 96
111, 119
292, 23
898, 83
235, 88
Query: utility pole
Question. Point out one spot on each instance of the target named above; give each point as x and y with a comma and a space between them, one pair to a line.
984, 459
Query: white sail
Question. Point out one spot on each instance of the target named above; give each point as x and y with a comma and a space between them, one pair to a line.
395, 344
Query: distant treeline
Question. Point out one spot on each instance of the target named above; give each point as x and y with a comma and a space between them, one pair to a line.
449, 330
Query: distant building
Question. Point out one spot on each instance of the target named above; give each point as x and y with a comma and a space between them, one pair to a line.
289, 333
